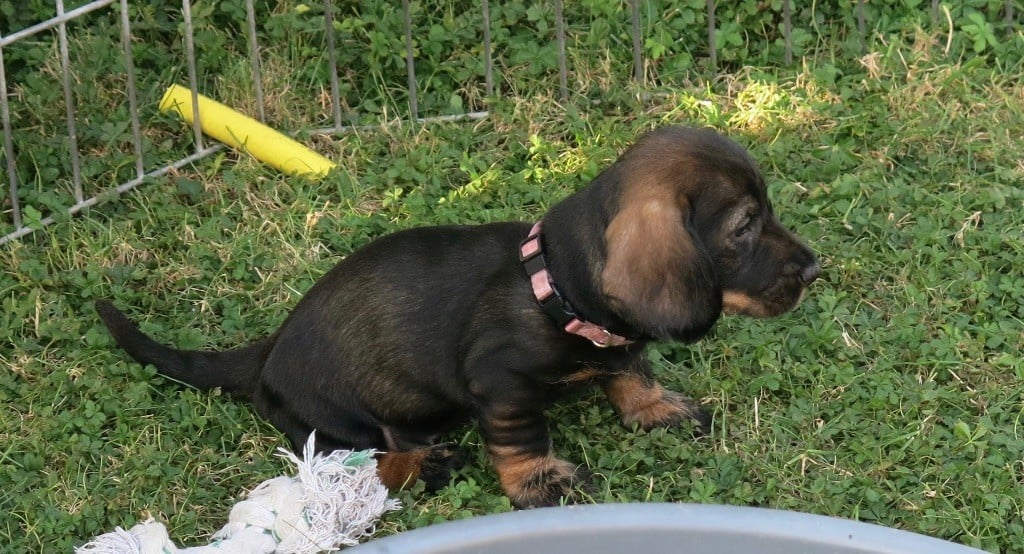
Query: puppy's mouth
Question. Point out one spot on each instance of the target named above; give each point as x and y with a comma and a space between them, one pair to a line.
782, 295
772, 303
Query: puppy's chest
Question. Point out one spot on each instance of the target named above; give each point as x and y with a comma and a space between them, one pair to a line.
587, 372
583, 376
575, 364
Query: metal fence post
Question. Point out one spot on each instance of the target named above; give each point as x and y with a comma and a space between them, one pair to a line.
638, 60
712, 47
193, 77
69, 104
563, 77
332, 55
254, 59
861, 32
787, 30
410, 66
12, 169
485, 12
133, 102
1008, 16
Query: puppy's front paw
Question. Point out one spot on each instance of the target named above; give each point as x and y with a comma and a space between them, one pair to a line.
671, 410
550, 485
537, 481
647, 404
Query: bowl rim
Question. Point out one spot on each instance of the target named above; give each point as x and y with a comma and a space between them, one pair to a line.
708, 519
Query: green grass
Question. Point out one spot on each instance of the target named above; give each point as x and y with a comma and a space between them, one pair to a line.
894, 394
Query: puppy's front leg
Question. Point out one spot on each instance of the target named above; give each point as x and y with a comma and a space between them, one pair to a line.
520, 449
642, 401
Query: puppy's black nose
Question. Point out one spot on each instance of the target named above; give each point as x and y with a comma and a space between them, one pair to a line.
809, 273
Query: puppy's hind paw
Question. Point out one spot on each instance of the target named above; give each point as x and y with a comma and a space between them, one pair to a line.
432, 464
439, 463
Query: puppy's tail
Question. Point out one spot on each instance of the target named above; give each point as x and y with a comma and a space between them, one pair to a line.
235, 371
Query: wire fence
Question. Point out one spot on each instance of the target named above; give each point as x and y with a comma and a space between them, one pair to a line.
24, 219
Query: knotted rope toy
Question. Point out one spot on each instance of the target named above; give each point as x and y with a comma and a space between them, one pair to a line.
332, 501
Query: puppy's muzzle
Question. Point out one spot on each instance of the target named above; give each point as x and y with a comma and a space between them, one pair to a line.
810, 273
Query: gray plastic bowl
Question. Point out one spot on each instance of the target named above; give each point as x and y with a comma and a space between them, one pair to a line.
655, 528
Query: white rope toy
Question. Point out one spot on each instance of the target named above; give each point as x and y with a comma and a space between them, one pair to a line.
333, 501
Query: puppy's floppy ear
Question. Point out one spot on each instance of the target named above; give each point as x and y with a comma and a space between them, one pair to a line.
656, 274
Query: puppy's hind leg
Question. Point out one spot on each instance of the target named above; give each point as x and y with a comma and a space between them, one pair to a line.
433, 465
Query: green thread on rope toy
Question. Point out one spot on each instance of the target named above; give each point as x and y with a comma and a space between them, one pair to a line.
359, 458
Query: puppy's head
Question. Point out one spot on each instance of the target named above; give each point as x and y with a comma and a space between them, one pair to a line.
693, 235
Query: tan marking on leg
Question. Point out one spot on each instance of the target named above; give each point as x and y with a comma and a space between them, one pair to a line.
515, 467
646, 403
533, 480
398, 470
581, 376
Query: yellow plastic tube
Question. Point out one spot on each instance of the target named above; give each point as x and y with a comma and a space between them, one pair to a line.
247, 134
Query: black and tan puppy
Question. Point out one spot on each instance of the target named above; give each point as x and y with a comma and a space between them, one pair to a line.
429, 328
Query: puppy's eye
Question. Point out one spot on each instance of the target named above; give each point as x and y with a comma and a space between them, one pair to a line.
746, 228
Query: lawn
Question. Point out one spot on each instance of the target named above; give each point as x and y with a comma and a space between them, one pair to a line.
894, 394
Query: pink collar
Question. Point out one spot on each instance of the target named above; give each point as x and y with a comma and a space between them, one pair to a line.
532, 255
